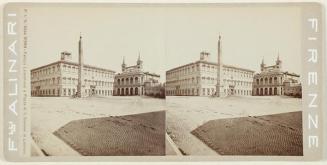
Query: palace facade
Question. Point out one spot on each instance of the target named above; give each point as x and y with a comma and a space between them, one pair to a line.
273, 81
62, 78
200, 79
131, 81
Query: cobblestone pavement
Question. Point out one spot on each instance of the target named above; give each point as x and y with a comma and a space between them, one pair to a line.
279, 134
50, 113
130, 135
184, 114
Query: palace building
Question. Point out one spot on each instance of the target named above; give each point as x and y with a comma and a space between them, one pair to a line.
131, 81
200, 79
272, 80
67, 78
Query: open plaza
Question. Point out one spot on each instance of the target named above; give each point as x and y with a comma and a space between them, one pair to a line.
64, 125
185, 114
51, 115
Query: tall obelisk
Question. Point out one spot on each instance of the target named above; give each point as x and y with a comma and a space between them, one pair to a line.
219, 71
80, 85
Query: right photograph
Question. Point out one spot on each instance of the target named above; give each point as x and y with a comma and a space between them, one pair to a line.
233, 81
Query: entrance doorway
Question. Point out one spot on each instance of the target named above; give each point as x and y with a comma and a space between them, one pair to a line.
231, 90
92, 87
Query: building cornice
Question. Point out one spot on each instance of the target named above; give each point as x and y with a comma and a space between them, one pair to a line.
72, 63
276, 73
137, 73
211, 63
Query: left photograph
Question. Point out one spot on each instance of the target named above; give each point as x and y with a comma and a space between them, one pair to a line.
97, 85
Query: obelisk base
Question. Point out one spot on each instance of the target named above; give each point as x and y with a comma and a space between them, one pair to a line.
221, 91
81, 91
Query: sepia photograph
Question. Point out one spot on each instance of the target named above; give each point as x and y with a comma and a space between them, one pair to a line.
158, 80
97, 85
233, 82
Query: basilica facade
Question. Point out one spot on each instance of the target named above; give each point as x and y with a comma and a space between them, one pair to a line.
131, 81
272, 80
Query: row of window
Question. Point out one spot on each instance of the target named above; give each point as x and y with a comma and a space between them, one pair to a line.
208, 68
73, 81
129, 80
268, 91
207, 92
208, 80
267, 81
45, 71
238, 83
129, 91
71, 69
69, 92
88, 72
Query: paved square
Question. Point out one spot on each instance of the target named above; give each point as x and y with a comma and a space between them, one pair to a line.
48, 114
130, 135
184, 114
279, 134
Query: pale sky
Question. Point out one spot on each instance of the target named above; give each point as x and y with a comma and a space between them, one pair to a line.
166, 36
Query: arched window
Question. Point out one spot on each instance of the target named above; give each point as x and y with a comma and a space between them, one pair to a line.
136, 91
131, 80
131, 91
126, 91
